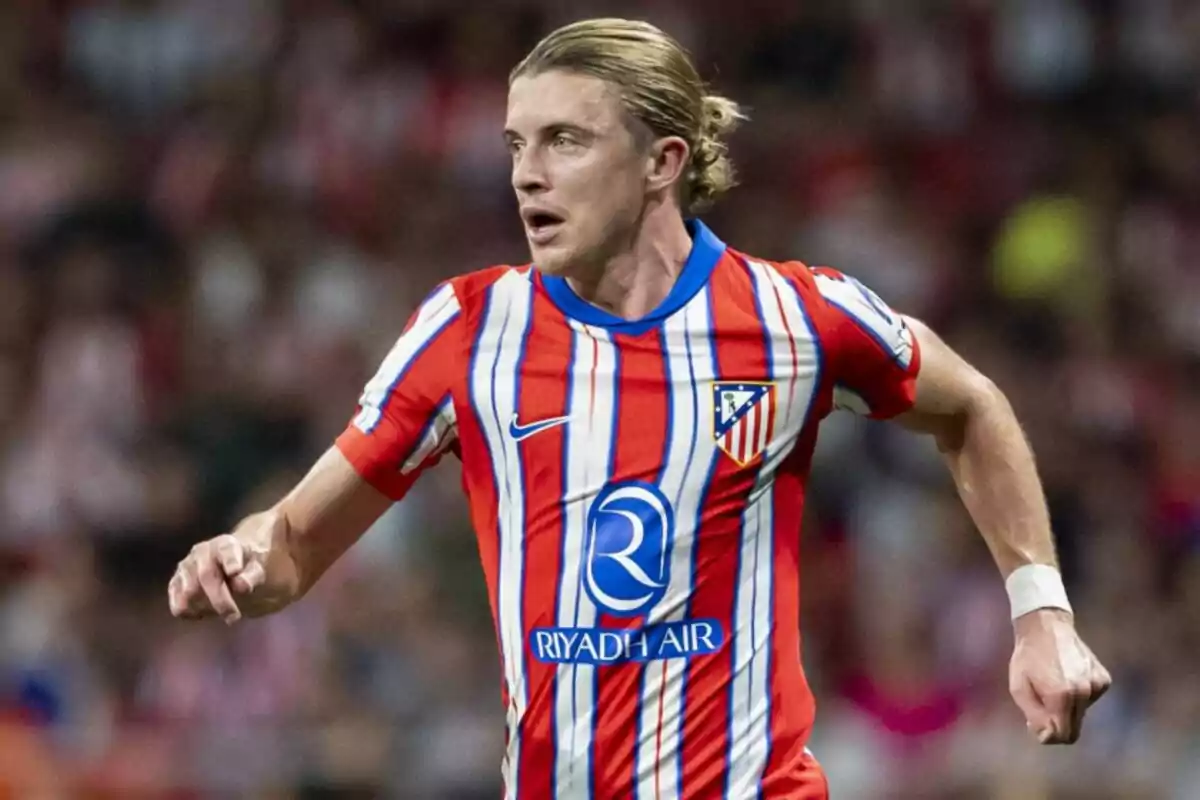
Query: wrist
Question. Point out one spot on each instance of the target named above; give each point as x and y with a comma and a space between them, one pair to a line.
1036, 587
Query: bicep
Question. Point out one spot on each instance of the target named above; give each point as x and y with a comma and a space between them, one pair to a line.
947, 387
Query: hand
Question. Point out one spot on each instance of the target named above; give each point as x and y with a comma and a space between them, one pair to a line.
1053, 676
227, 577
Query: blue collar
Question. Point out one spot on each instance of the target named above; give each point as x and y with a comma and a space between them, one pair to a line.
707, 250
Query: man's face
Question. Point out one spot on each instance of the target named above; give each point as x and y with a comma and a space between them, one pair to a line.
578, 171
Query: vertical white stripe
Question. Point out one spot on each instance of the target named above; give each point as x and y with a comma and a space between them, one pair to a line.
794, 364
689, 461
750, 723
434, 314
494, 382
589, 445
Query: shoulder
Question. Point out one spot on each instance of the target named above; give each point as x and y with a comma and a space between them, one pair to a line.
791, 277
473, 291
819, 288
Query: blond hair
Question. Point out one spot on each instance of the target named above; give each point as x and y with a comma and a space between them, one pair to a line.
658, 85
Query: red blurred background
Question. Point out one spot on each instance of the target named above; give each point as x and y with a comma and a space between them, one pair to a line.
215, 216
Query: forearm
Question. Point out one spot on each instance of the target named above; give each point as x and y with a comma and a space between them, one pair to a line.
994, 470
320, 519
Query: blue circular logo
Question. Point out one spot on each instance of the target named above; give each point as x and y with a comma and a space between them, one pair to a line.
627, 560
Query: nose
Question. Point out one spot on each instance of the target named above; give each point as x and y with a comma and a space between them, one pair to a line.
528, 172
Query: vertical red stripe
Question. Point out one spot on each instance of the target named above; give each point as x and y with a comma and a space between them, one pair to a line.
740, 355
639, 442
543, 395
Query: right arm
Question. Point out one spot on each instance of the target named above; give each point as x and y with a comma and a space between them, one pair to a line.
405, 421
272, 558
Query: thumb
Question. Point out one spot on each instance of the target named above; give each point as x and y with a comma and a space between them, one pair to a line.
1037, 716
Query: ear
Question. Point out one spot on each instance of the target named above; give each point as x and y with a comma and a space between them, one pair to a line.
667, 162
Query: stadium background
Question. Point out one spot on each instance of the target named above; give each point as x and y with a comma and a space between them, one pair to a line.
215, 216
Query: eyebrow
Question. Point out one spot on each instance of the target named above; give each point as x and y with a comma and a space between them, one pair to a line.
552, 128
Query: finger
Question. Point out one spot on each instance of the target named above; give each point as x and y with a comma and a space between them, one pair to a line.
1061, 704
1036, 716
1079, 706
1101, 681
230, 553
216, 590
174, 597
191, 596
251, 576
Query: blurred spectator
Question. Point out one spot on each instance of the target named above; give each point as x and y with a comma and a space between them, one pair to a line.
215, 217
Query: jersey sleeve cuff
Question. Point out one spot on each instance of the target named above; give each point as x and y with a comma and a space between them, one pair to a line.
361, 451
902, 396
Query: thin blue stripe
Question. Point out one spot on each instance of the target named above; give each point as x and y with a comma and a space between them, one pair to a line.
773, 374
520, 528
507, 498
733, 633
575, 621
670, 404
406, 366
733, 650
562, 558
612, 458
771, 621
819, 371
429, 423
687, 343
474, 399
666, 454
819, 354
489, 296
708, 480
818, 351
887, 349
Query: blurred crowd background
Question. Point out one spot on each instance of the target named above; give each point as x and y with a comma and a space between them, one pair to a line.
215, 216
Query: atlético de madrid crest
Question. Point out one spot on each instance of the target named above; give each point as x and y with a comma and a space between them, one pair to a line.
743, 418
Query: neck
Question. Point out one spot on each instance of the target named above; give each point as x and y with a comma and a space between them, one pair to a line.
635, 280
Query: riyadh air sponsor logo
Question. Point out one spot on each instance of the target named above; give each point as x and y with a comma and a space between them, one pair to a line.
684, 639
626, 571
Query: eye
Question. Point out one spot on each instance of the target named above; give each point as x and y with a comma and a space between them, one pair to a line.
515, 147
562, 140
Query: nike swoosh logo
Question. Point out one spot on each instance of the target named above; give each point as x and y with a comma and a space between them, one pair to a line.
522, 432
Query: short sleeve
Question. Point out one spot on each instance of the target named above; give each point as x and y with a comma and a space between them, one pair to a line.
870, 348
405, 419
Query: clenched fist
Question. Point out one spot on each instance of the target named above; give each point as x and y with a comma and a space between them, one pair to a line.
1054, 677
244, 573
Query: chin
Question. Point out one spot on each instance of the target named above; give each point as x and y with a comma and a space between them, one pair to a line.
549, 259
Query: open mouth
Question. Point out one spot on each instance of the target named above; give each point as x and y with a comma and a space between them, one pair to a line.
542, 225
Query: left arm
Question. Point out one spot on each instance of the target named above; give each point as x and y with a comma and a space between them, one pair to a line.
986, 451
888, 366
1053, 676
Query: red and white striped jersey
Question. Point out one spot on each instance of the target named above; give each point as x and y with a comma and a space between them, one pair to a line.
637, 489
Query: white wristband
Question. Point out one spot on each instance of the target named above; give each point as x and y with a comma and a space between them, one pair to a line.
1035, 586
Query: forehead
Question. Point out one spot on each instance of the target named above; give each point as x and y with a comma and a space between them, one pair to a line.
554, 97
